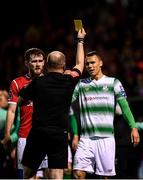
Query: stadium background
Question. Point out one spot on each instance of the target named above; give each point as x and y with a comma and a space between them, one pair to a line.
114, 28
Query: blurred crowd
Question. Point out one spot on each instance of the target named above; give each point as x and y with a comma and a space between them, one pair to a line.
114, 28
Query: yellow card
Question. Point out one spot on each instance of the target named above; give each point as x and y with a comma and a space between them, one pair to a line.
78, 24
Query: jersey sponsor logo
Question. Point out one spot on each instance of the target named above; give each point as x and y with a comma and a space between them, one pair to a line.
96, 98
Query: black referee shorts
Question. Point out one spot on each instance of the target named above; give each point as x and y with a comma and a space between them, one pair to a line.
39, 144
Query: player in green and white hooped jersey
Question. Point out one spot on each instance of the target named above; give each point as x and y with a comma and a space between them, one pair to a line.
98, 96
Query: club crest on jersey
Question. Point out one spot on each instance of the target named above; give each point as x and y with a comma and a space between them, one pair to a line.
87, 88
105, 88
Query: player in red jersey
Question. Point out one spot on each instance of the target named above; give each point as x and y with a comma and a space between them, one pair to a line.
34, 61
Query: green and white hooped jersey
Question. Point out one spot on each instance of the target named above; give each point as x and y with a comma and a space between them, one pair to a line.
97, 100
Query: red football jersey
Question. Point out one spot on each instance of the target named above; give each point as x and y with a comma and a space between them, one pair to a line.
26, 108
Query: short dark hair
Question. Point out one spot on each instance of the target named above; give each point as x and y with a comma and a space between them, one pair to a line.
33, 51
91, 53
94, 52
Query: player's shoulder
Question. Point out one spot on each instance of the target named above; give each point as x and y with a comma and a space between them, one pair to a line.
109, 78
22, 78
85, 80
20, 81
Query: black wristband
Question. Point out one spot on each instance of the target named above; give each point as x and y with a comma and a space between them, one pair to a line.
80, 40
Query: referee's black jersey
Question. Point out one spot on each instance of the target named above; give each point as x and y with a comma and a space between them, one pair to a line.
51, 95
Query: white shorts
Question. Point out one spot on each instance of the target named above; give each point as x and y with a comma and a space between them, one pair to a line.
97, 155
69, 154
20, 149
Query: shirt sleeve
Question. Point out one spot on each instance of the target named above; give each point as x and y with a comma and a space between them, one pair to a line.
119, 90
73, 122
75, 93
126, 111
13, 92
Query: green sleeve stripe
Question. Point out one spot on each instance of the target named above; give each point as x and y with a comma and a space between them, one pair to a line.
73, 123
126, 111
